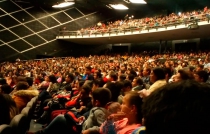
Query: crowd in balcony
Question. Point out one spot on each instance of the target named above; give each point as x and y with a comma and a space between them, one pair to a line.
129, 23
123, 94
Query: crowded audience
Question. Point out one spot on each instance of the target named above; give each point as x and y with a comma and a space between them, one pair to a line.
122, 94
129, 23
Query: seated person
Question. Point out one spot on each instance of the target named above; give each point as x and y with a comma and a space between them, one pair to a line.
178, 108
98, 114
126, 121
8, 109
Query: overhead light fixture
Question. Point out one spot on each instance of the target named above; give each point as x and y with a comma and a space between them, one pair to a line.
64, 4
138, 1
119, 6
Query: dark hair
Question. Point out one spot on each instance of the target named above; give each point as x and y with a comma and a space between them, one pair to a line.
52, 79
71, 76
133, 72
139, 81
21, 78
6, 105
127, 83
98, 74
202, 75
30, 81
131, 77
81, 83
115, 89
159, 73
3, 81
88, 68
122, 77
180, 107
185, 75
99, 82
113, 75
22, 85
135, 99
6, 89
86, 88
168, 71
103, 95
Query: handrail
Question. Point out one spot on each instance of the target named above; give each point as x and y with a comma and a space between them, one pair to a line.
138, 27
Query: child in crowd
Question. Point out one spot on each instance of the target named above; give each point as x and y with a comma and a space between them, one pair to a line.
128, 119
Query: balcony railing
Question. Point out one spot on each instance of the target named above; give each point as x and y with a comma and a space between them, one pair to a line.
135, 28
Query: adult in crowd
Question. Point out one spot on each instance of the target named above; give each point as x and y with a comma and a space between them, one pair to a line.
8, 109
189, 114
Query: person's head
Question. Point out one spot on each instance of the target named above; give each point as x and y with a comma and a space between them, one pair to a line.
146, 71
157, 74
85, 92
122, 77
100, 97
78, 84
168, 73
6, 89
46, 78
97, 83
69, 78
127, 86
201, 76
180, 107
137, 82
183, 75
8, 109
114, 107
132, 106
130, 77
22, 85
199, 67
88, 70
115, 88
52, 79
97, 75
20, 78
29, 80
112, 76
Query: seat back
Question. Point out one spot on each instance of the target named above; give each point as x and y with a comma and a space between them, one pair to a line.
27, 111
18, 124
5, 129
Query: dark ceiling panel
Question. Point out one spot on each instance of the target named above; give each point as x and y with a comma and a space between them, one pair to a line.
49, 34
73, 26
73, 13
49, 21
8, 6
5, 50
2, 13
8, 21
1, 28
22, 16
35, 26
20, 45
37, 12
25, 5
62, 17
7, 36
34, 40
21, 30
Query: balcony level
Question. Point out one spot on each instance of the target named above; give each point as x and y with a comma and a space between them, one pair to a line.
172, 31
